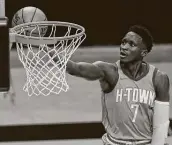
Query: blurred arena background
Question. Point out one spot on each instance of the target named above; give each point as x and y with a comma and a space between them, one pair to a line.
76, 115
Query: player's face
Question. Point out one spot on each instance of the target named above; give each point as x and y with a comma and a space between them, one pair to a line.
132, 48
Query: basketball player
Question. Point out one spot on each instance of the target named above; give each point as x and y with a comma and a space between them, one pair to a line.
135, 94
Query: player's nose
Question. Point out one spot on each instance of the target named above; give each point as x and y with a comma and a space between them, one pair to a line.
125, 47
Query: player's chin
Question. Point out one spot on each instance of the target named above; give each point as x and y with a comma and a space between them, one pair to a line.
124, 59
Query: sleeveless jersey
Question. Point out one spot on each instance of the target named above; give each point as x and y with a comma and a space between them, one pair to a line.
127, 111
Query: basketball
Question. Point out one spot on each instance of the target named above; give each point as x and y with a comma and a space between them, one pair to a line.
30, 14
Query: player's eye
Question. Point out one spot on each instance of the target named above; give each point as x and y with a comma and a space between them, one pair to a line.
132, 44
123, 42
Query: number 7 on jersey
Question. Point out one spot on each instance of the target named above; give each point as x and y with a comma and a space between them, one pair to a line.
136, 107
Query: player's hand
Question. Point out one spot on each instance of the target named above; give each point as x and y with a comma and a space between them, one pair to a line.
57, 57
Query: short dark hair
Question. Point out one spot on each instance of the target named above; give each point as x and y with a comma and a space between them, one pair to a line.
145, 34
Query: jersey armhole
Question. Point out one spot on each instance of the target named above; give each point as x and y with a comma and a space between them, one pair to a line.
113, 85
153, 78
116, 77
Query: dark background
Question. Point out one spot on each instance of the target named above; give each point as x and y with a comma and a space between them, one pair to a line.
106, 21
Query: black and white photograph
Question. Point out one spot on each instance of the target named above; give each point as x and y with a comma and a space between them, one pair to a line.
85, 72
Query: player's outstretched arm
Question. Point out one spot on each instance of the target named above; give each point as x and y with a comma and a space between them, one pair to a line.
89, 71
161, 109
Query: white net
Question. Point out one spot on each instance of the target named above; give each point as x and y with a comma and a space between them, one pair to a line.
45, 55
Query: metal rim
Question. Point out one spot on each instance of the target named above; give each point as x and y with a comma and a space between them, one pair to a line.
46, 23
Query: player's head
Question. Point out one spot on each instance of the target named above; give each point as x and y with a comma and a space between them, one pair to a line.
136, 44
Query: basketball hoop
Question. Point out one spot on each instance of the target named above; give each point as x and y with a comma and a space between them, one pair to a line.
44, 76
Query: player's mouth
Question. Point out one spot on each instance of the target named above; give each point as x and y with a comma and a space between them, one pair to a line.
123, 54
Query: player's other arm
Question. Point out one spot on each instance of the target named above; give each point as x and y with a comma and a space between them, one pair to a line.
161, 109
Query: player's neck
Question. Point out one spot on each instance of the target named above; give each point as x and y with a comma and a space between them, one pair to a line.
133, 69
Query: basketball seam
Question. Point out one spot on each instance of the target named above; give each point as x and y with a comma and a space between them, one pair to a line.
22, 15
14, 22
34, 14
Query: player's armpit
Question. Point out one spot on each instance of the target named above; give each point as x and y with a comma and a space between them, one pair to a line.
162, 86
89, 71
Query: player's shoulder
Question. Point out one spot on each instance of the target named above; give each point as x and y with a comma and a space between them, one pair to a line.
106, 65
111, 75
160, 79
160, 75
162, 85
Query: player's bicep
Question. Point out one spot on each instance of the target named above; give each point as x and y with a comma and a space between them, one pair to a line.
89, 71
162, 87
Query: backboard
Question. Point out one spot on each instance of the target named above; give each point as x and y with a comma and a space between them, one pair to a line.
4, 47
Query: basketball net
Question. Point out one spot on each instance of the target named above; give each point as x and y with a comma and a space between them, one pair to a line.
45, 57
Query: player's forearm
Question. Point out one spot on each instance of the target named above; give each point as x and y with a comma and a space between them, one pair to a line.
89, 71
160, 123
85, 70
72, 68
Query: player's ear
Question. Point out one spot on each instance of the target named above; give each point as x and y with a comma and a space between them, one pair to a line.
144, 52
